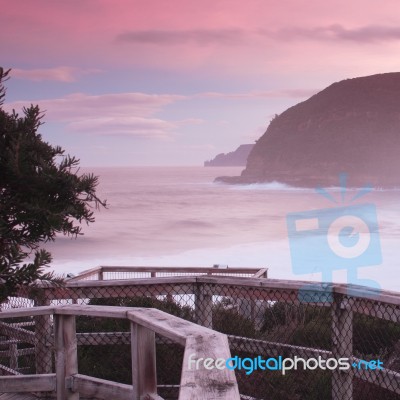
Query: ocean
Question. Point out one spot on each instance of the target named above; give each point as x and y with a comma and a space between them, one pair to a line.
178, 216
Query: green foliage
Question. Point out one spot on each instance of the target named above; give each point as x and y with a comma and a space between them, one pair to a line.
311, 326
275, 315
96, 360
41, 195
303, 325
374, 337
294, 385
229, 321
315, 331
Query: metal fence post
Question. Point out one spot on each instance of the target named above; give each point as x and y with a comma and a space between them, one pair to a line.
342, 347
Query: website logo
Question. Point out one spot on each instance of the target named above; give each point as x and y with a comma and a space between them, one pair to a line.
345, 236
259, 363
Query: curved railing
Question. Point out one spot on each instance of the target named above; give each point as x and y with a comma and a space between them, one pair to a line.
199, 342
350, 318
115, 272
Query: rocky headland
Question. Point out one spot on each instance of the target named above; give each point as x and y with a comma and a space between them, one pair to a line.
237, 158
352, 126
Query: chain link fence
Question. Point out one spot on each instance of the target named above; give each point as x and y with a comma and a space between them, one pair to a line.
262, 318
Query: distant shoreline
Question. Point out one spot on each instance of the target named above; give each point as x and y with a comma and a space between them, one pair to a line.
310, 182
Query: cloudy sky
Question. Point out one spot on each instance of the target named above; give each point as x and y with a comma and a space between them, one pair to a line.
174, 82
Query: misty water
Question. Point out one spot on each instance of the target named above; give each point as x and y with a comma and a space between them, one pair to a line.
177, 216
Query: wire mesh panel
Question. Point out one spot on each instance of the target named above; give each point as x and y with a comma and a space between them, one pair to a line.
104, 348
376, 347
106, 342
266, 321
17, 346
273, 325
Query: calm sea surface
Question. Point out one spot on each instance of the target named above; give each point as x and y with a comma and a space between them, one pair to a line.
177, 216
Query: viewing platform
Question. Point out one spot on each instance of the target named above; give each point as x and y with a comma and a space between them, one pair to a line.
128, 332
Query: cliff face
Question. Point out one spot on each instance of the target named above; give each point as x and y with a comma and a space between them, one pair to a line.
235, 158
352, 126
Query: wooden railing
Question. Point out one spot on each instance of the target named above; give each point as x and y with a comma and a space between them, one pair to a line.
68, 384
126, 272
344, 301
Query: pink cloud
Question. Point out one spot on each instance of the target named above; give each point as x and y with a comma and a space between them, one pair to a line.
148, 128
61, 74
235, 37
218, 37
290, 93
131, 114
83, 106
127, 114
173, 37
363, 34
80, 106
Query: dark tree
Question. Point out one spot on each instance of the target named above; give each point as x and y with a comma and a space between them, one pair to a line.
41, 194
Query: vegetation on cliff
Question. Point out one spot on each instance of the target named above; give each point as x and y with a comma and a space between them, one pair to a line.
237, 158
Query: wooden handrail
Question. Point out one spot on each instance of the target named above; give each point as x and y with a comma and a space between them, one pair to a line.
99, 272
28, 383
145, 322
278, 285
345, 300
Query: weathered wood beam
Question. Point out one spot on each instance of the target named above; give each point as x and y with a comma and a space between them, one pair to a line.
96, 388
143, 356
93, 311
27, 312
203, 383
28, 383
66, 355
174, 328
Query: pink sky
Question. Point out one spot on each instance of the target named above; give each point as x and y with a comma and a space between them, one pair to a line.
150, 82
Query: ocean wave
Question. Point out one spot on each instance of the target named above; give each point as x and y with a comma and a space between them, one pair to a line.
280, 186
274, 185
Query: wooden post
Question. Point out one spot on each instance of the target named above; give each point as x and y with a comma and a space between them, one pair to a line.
342, 346
43, 343
143, 350
262, 273
66, 355
203, 305
60, 357
100, 275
